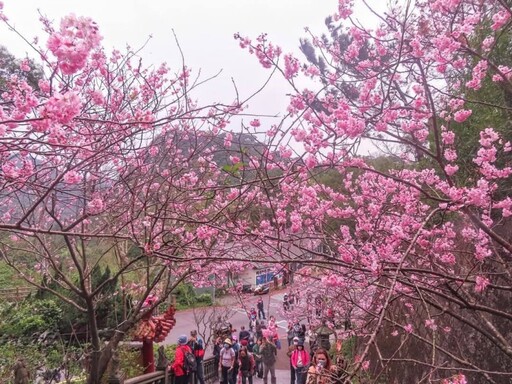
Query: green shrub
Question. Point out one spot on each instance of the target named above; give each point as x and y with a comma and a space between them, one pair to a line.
169, 350
6, 276
348, 348
29, 317
130, 362
52, 356
185, 294
205, 299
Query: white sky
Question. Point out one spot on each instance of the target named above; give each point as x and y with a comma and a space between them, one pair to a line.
205, 31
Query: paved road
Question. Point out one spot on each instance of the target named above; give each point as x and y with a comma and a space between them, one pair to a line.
187, 320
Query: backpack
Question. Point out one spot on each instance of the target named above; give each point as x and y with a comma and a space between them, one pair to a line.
189, 361
197, 348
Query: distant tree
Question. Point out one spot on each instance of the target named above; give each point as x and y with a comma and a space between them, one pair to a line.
24, 69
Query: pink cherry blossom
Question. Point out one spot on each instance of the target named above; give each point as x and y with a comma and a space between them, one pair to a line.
292, 66
73, 42
95, 206
481, 283
462, 115
72, 177
62, 107
430, 323
255, 123
448, 137
451, 169
500, 19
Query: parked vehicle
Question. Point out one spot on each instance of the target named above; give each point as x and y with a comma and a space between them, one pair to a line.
247, 288
262, 289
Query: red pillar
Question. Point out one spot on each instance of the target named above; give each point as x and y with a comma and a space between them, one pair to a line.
148, 358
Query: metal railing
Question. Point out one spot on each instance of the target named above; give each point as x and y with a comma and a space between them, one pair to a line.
167, 377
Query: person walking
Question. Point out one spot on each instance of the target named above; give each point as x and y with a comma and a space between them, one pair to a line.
261, 310
253, 316
247, 366
257, 357
244, 334
236, 347
272, 325
268, 353
291, 301
299, 330
321, 371
226, 362
258, 330
289, 334
217, 346
286, 303
291, 349
300, 362
197, 346
180, 373
312, 337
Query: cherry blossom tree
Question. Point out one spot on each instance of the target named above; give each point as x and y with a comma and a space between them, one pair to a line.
419, 250
108, 162
108, 158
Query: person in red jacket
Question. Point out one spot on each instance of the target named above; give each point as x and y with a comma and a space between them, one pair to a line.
300, 362
181, 376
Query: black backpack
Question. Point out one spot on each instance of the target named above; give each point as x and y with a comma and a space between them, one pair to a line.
189, 361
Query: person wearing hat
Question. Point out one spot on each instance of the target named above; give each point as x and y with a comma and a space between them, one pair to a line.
300, 362
291, 348
226, 362
181, 376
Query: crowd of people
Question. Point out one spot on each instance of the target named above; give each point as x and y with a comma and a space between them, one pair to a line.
252, 353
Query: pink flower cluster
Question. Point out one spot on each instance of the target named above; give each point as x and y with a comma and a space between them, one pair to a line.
479, 72
505, 73
445, 5
71, 45
500, 19
291, 66
431, 323
462, 115
95, 206
72, 177
344, 9
62, 107
264, 51
457, 379
481, 283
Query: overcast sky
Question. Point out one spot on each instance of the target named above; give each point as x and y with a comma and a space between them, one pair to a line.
204, 28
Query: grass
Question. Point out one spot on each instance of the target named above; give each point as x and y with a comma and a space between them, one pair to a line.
8, 277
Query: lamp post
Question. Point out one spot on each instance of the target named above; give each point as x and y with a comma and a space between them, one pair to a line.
323, 332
